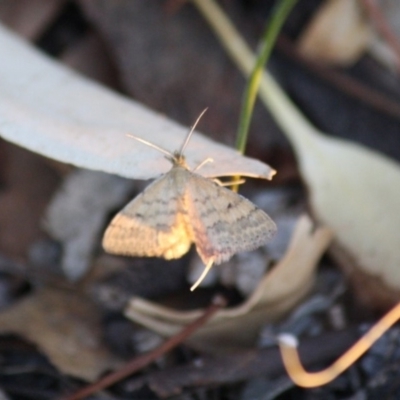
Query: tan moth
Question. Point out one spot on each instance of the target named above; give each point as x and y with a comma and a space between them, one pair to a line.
182, 207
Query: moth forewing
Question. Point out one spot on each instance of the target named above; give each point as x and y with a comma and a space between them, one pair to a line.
151, 225
223, 222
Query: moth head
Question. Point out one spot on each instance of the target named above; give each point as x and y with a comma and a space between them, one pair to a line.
176, 158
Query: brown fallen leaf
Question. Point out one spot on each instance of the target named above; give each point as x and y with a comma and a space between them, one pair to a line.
280, 290
66, 327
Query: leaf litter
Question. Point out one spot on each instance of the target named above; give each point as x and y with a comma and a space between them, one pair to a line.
227, 310
346, 180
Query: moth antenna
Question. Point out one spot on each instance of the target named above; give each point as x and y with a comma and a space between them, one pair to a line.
154, 146
188, 136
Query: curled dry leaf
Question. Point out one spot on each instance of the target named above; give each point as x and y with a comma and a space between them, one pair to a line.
337, 34
353, 190
277, 293
49, 109
66, 327
340, 33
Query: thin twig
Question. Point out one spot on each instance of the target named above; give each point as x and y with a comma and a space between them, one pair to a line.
140, 362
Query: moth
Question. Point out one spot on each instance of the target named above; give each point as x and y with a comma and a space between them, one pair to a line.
182, 207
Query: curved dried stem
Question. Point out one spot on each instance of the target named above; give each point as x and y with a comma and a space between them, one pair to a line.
288, 346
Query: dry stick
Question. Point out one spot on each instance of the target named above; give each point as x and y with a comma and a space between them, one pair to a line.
140, 362
383, 27
294, 368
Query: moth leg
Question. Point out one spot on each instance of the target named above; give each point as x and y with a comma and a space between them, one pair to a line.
217, 181
230, 183
207, 160
203, 275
